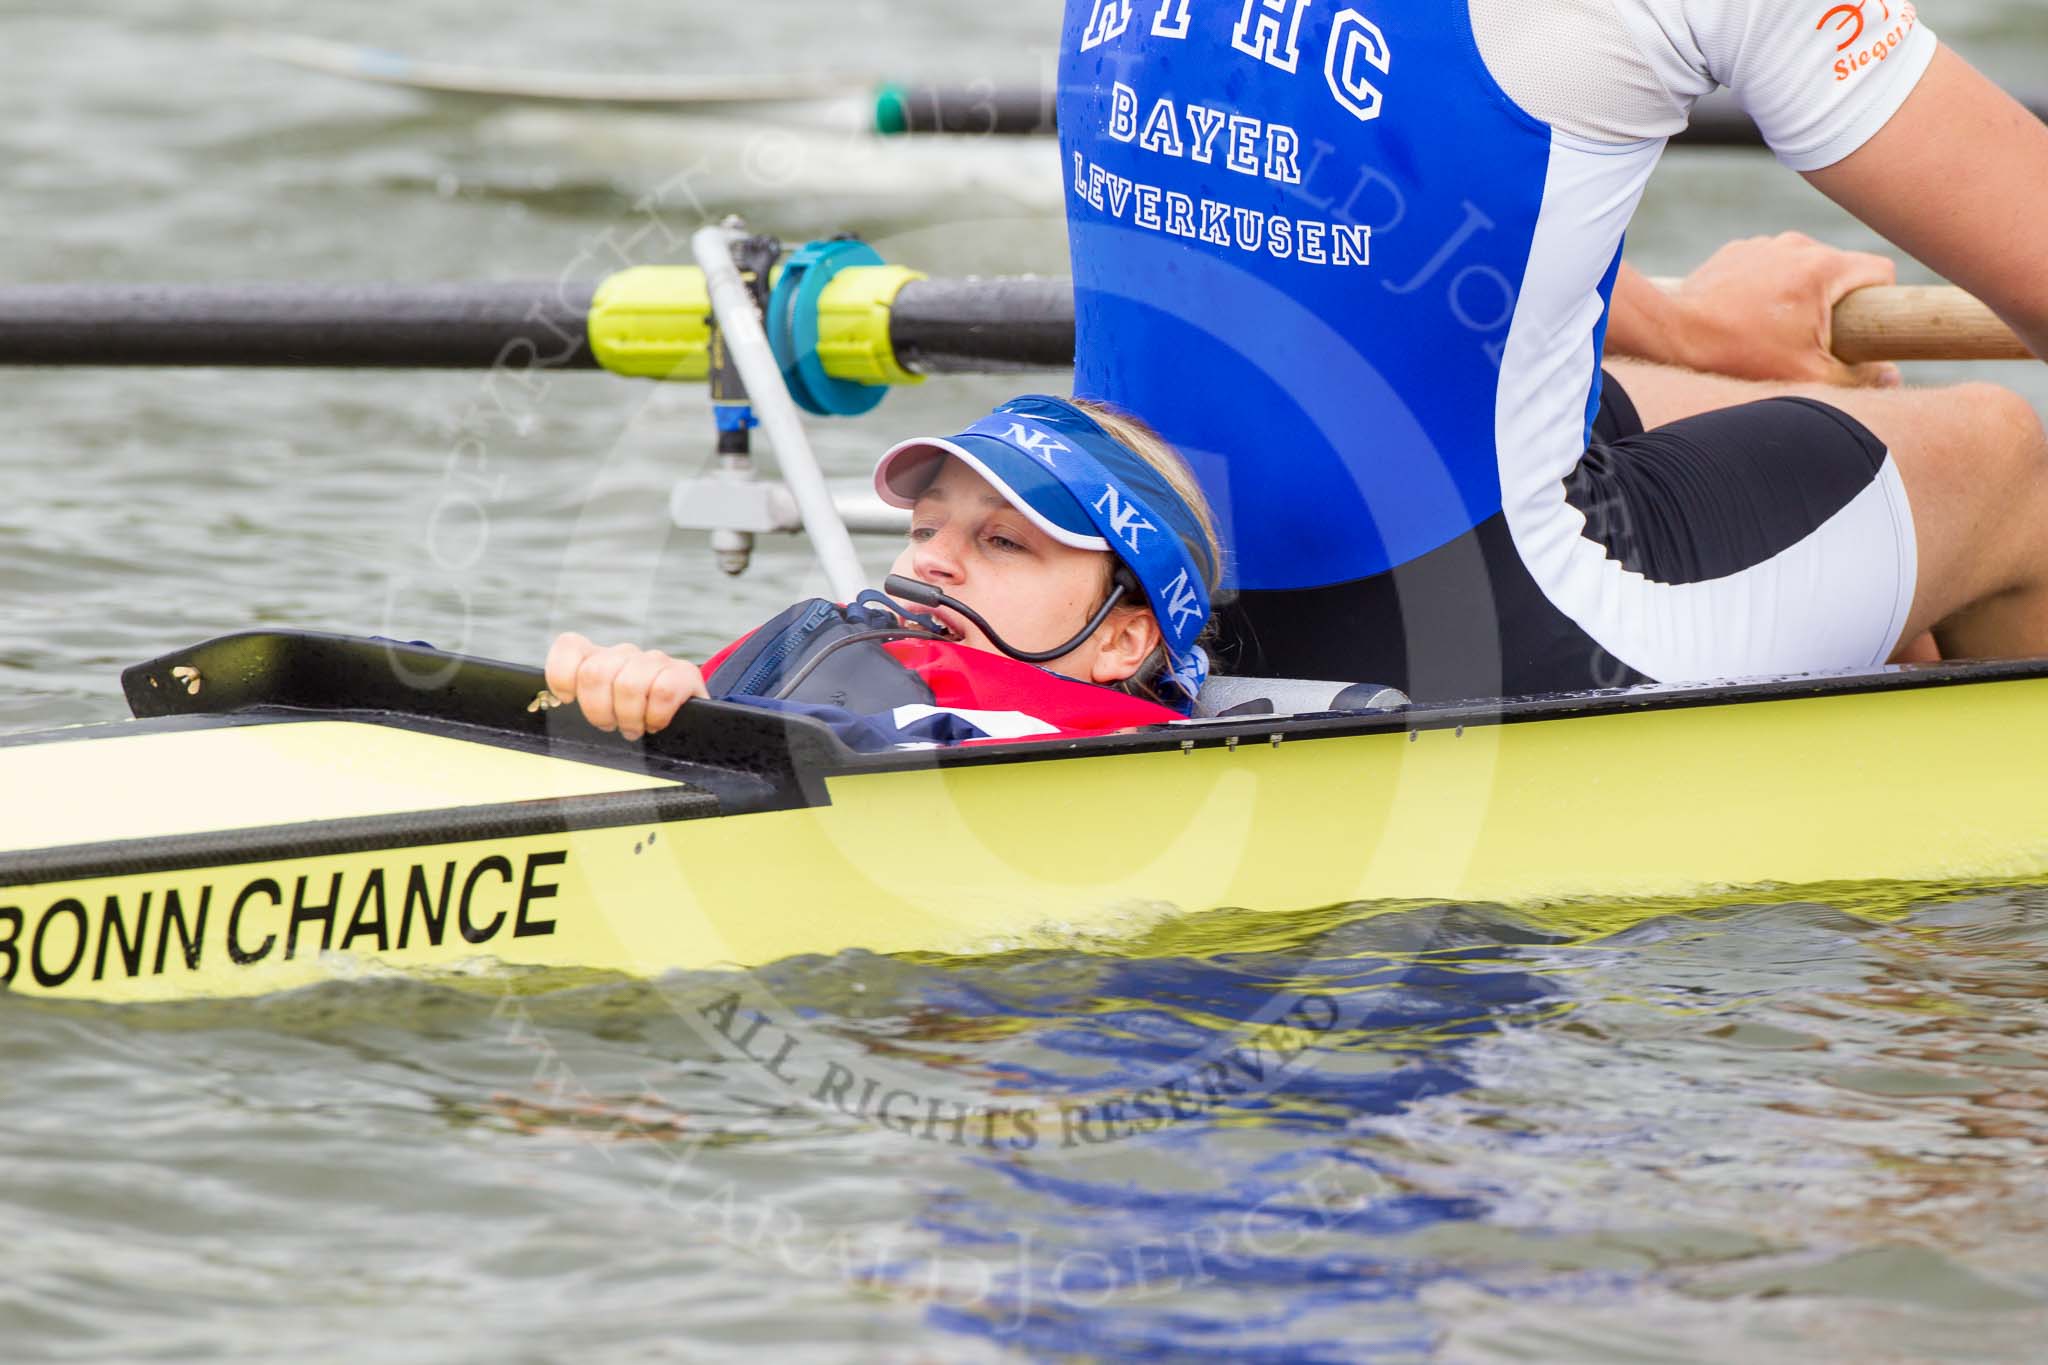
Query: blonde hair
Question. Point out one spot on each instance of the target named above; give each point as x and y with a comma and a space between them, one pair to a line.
1136, 436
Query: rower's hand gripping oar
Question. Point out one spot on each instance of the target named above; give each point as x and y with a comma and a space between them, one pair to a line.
1913, 322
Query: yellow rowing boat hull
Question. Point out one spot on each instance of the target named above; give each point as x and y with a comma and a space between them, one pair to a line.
561, 863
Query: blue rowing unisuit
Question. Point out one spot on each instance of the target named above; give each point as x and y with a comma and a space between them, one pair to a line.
1300, 229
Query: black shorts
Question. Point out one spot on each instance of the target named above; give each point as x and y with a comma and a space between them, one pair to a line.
1768, 538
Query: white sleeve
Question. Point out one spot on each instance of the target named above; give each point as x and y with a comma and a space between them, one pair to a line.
1819, 78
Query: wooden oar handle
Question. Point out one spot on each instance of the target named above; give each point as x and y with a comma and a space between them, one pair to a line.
1921, 322
1916, 322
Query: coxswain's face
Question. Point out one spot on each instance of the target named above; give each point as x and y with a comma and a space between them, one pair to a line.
966, 540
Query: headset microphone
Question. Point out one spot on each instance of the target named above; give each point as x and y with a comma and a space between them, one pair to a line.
925, 595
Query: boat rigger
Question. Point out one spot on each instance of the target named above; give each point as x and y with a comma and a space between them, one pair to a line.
311, 812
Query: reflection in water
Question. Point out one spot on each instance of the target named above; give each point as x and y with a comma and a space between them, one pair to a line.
1175, 1160
1723, 1104
1812, 1124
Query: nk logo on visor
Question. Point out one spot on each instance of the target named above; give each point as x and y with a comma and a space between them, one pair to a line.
1036, 442
1126, 519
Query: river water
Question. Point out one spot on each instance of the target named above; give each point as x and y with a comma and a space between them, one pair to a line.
1808, 1128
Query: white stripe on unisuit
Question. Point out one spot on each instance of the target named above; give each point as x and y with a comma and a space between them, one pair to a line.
993, 724
1836, 599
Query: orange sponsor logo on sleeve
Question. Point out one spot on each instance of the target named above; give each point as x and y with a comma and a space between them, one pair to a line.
1865, 40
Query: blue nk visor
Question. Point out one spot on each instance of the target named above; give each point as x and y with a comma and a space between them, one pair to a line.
1084, 488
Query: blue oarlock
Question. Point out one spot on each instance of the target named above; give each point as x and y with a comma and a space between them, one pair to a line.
793, 329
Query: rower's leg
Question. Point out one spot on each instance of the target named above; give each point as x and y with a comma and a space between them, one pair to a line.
1974, 461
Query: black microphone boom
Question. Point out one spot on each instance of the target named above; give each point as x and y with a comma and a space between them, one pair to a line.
925, 595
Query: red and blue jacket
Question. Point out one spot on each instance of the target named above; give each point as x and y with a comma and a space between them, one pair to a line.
879, 686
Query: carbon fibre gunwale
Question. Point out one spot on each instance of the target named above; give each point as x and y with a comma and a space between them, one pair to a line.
798, 753
795, 754
1475, 714
711, 790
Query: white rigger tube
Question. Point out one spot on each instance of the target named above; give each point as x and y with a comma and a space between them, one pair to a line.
746, 340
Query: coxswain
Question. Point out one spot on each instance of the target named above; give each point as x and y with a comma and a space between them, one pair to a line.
1056, 583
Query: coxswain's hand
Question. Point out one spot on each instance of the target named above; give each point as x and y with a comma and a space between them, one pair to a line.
1764, 308
625, 688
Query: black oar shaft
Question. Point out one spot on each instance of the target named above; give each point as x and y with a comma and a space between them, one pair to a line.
1718, 121
348, 326
966, 110
938, 326
978, 326
935, 326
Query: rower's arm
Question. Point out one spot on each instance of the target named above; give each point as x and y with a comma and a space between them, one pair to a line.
1644, 323
1761, 308
1959, 178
